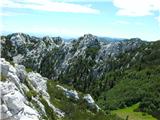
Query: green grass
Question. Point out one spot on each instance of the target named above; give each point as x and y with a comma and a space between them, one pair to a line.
132, 114
30, 94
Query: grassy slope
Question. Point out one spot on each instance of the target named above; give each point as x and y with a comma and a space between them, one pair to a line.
132, 115
75, 110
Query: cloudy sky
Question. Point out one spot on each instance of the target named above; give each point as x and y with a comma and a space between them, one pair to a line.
111, 18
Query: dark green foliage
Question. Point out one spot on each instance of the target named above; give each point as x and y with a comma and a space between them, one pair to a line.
78, 74
132, 88
30, 46
151, 101
74, 46
92, 51
52, 59
135, 86
6, 47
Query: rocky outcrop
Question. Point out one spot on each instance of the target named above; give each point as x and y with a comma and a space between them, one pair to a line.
20, 71
73, 94
69, 93
14, 104
39, 83
16, 86
90, 102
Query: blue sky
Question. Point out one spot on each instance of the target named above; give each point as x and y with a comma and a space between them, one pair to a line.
73, 18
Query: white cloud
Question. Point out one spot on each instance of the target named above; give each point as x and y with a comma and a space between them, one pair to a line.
136, 7
48, 5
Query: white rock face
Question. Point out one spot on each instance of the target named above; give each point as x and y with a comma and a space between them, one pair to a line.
4, 67
69, 93
21, 73
14, 103
38, 83
5, 113
13, 106
61, 87
72, 94
17, 40
89, 99
91, 103
18, 58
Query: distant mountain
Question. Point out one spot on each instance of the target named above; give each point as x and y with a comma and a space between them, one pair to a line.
116, 72
104, 39
111, 39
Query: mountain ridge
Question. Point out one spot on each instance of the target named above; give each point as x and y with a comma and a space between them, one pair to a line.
93, 66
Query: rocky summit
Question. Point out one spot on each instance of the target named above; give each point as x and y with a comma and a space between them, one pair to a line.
84, 79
